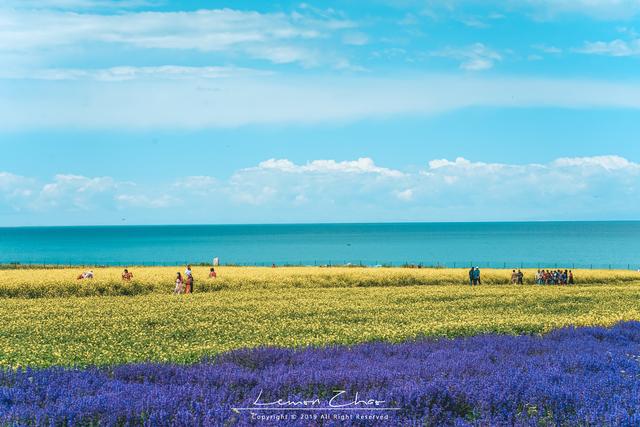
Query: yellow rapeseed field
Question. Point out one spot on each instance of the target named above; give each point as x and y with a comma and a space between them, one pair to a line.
34, 283
248, 307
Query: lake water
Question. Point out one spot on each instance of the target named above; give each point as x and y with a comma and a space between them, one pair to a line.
528, 244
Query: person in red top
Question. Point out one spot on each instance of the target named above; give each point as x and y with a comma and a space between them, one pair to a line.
212, 273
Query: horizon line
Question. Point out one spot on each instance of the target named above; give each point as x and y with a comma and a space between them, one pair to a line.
315, 223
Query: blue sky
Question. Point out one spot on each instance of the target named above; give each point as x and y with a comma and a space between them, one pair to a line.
153, 112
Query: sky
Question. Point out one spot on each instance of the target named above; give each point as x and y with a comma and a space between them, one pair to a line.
211, 112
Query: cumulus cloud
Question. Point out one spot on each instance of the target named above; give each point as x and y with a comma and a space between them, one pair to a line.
599, 187
15, 191
73, 192
362, 165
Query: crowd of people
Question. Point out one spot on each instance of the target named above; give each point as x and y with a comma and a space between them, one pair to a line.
542, 277
554, 277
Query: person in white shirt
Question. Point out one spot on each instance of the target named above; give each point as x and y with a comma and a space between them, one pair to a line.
188, 276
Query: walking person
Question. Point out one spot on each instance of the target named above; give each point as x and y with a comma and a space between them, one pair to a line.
514, 277
520, 277
471, 281
571, 277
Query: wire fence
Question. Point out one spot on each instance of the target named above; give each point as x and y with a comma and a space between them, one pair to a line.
330, 263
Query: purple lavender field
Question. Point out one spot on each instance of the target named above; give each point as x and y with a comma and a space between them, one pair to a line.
583, 376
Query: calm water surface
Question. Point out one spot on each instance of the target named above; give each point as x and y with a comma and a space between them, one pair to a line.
488, 244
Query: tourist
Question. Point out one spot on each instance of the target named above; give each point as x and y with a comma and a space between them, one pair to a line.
86, 275
539, 277
189, 280
520, 277
514, 277
127, 275
476, 276
571, 277
179, 284
212, 273
471, 281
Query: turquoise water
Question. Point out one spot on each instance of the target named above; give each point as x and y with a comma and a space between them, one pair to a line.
570, 244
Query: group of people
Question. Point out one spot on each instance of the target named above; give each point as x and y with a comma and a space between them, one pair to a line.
184, 283
474, 276
542, 277
554, 277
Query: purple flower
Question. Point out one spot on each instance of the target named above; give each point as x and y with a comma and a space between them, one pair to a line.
571, 376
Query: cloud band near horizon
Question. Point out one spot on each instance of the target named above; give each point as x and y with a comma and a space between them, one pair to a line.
601, 187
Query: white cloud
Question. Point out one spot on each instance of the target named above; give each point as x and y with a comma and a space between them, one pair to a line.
355, 39
476, 57
599, 9
599, 187
405, 195
237, 101
15, 191
362, 165
125, 73
609, 163
539, 9
547, 49
276, 37
144, 201
612, 48
461, 163
77, 4
75, 192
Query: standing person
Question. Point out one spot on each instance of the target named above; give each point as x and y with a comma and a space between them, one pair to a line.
188, 273
476, 276
514, 277
179, 284
520, 277
471, 281
571, 277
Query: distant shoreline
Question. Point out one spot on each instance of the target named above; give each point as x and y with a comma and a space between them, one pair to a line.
553, 266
